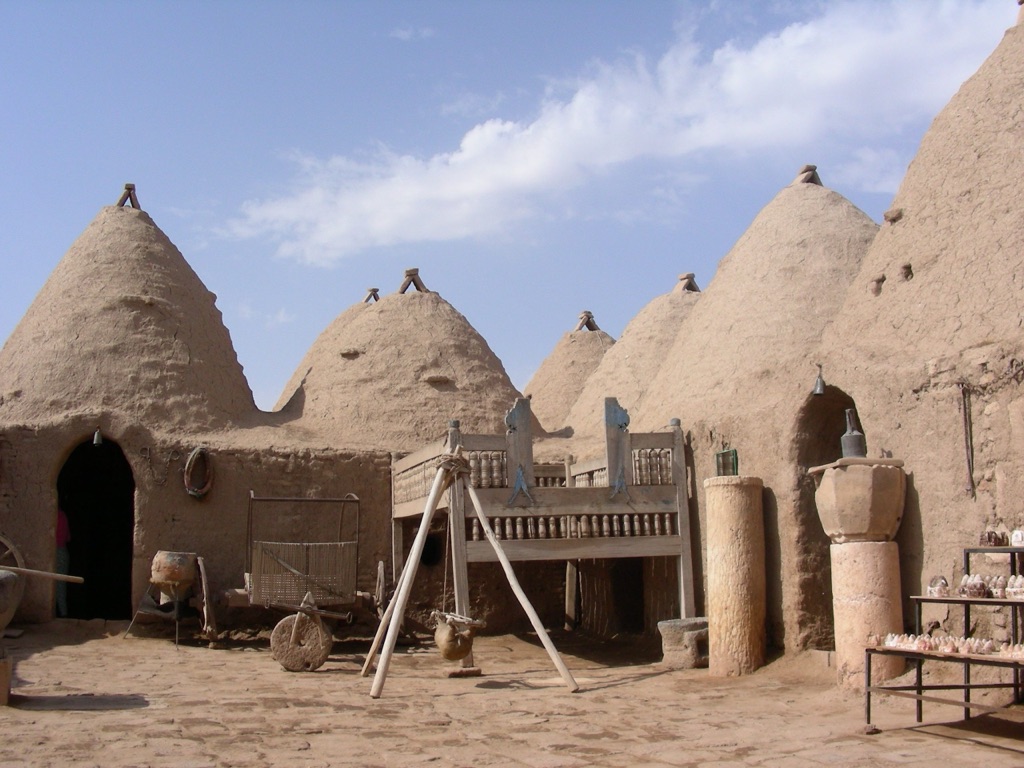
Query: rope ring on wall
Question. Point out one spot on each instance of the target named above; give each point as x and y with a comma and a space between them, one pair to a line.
194, 490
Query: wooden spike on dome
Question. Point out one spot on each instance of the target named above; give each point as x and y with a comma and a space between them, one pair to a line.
412, 277
372, 294
129, 196
586, 321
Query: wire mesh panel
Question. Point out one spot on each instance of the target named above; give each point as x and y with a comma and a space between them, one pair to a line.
283, 572
300, 545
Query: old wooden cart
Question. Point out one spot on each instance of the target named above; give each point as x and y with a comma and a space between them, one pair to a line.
302, 556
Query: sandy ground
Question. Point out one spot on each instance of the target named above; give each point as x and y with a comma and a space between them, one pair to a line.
84, 695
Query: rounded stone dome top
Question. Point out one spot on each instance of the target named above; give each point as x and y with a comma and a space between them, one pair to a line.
558, 381
390, 375
123, 326
754, 332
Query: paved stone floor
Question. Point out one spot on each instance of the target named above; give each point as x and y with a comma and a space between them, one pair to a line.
83, 695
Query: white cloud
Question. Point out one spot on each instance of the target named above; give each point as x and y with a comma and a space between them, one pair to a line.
269, 319
411, 33
873, 170
855, 75
281, 317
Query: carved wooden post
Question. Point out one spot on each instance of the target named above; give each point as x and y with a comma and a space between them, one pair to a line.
457, 537
687, 598
397, 539
617, 446
519, 447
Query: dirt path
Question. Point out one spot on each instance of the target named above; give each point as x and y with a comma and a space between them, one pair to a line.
85, 696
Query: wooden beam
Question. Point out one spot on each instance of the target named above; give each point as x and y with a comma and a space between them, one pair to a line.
524, 601
561, 502
391, 622
521, 550
687, 595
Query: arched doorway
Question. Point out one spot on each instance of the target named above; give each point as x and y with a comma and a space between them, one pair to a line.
820, 427
96, 490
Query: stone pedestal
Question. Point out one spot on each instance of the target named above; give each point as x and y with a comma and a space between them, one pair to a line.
736, 598
684, 643
860, 503
866, 601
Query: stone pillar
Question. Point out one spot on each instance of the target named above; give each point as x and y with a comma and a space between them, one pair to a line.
866, 601
860, 504
736, 599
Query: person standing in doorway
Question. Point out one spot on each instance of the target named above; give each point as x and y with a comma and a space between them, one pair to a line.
63, 561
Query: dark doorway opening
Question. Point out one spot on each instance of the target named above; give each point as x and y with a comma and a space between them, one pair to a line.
627, 582
96, 490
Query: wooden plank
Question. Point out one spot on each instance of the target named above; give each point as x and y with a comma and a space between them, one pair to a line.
412, 508
660, 440
576, 549
549, 470
457, 541
585, 467
572, 581
397, 557
416, 458
483, 443
457, 537
559, 502
687, 592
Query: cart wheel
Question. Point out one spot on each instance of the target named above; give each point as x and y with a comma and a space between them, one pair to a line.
204, 603
9, 555
312, 643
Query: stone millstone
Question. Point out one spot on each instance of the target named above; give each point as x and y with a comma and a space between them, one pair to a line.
312, 643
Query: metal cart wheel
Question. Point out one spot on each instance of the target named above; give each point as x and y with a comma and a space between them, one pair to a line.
301, 643
10, 555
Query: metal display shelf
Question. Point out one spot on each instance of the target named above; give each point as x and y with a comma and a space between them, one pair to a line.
918, 690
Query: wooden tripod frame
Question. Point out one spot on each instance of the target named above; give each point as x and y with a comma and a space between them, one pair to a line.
452, 472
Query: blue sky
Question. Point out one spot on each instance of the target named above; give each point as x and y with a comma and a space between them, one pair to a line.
533, 159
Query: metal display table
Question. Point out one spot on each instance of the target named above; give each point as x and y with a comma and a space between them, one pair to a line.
919, 690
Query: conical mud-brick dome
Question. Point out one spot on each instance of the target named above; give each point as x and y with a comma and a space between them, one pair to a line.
628, 368
123, 325
946, 273
560, 378
750, 339
389, 374
741, 370
930, 341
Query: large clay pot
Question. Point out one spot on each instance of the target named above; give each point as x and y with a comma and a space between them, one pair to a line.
860, 499
173, 572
